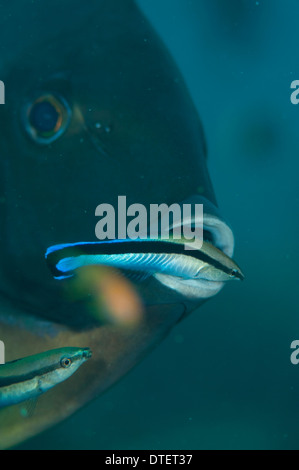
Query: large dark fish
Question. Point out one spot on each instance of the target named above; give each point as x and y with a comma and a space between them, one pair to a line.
95, 108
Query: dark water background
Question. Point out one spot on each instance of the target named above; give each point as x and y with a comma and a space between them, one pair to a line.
223, 379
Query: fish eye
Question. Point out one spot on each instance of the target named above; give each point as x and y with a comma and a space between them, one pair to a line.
46, 118
234, 273
66, 362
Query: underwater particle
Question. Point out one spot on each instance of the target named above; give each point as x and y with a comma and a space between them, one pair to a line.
24, 412
179, 339
200, 189
259, 139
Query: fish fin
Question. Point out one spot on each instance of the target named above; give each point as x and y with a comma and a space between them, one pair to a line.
28, 408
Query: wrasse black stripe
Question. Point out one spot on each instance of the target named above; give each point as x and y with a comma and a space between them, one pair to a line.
15, 379
126, 247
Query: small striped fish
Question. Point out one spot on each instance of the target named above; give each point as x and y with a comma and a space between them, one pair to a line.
194, 271
168, 257
31, 376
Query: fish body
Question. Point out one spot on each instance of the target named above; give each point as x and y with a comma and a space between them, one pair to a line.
174, 258
32, 376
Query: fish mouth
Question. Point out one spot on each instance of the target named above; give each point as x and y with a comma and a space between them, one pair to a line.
86, 353
218, 240
196, 273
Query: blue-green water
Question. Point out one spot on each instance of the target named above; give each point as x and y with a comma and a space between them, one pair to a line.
223, 378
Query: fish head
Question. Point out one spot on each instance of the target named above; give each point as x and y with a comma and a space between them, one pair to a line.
95, 108
61, 364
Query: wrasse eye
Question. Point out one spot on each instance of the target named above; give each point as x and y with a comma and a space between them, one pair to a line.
65, 362
46, 118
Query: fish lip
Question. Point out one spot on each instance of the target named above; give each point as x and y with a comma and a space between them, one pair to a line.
86, 353
222, 238
193, 290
